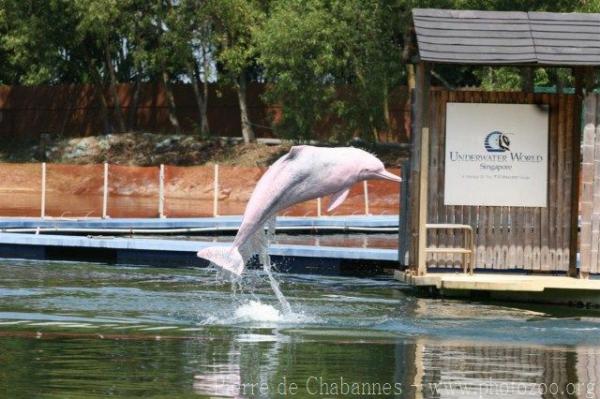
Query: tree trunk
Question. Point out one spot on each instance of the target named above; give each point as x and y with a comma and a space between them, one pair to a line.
99, 88
69, 109
113, 90
206, 66
171, 103
527, 79
99, 91
387, 118
247, 131
200, 100
133, 107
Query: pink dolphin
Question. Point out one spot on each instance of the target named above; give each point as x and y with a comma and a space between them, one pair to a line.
304, 173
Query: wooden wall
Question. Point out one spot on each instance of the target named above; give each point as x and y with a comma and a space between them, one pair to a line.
507, 237
74, 111
590, 192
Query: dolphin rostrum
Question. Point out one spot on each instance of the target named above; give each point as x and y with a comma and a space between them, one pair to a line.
304, 173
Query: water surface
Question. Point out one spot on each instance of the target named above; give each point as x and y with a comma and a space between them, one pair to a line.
75, 330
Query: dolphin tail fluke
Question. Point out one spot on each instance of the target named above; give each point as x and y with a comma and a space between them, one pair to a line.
226, 258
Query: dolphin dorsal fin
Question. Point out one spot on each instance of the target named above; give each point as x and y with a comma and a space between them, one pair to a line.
295, 150
337, 198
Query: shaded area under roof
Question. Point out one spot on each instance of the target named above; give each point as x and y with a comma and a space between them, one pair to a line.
507, 37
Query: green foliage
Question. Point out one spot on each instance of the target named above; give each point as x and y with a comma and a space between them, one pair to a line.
329, 62
234, 24
500, 78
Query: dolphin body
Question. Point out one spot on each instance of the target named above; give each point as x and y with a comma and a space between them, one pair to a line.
304, 173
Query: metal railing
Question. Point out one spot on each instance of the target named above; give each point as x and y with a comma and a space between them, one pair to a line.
161, 200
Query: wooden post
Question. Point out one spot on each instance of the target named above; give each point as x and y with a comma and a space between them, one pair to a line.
105, 192
404, 222
161, 192
216, 191
423, 190
43, 204
575, 178
420, 168
366, 193
319, 211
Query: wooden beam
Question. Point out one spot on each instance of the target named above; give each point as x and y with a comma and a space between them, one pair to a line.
404, 222
420, 167
575, 173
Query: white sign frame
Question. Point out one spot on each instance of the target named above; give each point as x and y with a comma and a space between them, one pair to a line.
496, 154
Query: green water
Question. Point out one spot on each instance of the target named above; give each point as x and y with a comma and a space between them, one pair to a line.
73, 330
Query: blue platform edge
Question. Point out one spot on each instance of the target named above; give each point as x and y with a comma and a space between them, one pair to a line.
220, 222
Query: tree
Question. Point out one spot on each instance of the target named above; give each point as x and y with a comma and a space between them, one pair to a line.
310, 49
39, 48
100, 26
191, 37
152, 38
234, 24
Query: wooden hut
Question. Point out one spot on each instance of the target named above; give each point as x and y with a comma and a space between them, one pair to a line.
519, 218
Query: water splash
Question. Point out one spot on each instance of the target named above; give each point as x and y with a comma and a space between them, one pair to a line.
257, 311
260, 246
285, 305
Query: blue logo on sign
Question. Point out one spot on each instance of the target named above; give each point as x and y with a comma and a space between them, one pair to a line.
496, 142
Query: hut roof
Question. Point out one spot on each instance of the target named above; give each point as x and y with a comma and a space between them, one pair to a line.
502, 37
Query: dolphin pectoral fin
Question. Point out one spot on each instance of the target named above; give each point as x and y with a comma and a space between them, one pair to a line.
228, 259
337, 199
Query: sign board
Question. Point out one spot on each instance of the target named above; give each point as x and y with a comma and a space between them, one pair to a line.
496, 154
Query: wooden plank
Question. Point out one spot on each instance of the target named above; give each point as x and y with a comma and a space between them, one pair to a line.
560, 172
452, 96
539, 28
475, 26
466, 33
481, 57
554, 223
422, 90
476, 47
588, 179
544, 217
443, 237
551, 42
587, 184
487, 41
594, 253
568, 183
535, 16
575, 168
467, 14
537, 221
434, 161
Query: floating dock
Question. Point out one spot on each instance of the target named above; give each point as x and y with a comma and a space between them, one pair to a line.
508, 287
372, 223
182, 253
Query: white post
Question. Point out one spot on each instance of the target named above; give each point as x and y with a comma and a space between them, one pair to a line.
366, 191
161, 192
43, 204
105, 193
319, 207
216, 191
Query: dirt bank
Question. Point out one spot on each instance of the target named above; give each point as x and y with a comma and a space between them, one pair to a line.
147, 149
